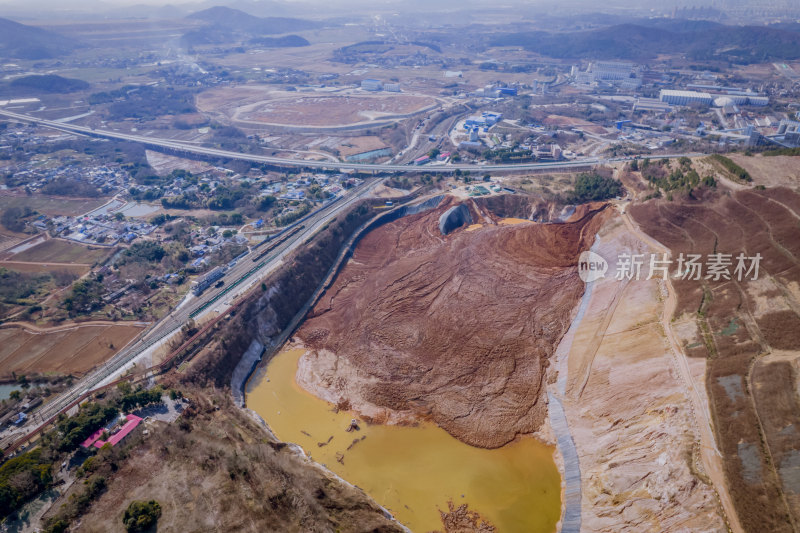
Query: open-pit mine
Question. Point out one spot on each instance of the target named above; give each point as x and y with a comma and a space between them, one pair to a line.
444, 318
461, 373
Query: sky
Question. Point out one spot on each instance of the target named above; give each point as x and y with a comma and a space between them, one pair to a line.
89, 4
105, 8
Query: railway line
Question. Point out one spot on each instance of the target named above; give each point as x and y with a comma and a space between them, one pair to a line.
238, 280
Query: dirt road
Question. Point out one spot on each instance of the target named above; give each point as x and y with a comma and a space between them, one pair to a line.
709, 453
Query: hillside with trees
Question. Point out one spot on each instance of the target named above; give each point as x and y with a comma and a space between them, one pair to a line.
699, 40
28, 42
42, 84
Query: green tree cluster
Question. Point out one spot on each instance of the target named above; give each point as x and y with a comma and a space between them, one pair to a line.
592, 187
75, 429
141, 515
22, 478
86, 295
732, 167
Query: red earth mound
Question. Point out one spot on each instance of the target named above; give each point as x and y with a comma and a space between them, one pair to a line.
457, 329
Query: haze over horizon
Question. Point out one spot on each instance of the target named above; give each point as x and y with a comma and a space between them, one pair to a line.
104, 8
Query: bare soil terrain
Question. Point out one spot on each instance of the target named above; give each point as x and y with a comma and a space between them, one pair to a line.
60, 251
50, 205
218, 469
457, 329
357, 145
76, 269
63, 350
333, 110
8, 241
748, 333
628, 409
771, 171
558, 120
163, 164
265, 105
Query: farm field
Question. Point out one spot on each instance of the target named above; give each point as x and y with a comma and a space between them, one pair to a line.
58, 251
75, 268
52, 205
66, 350
8, 241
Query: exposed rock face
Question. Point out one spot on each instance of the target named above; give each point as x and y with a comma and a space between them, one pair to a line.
509, 205
454, 218
628, 410
456, 329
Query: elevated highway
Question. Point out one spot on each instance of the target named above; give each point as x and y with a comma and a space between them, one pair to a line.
182, 147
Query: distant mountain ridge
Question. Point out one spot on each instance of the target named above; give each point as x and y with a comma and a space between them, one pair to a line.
233, 19
37, 84
228, 25
643, 40
18, 41
286, 41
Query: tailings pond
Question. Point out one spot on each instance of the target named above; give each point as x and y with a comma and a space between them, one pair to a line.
412, 471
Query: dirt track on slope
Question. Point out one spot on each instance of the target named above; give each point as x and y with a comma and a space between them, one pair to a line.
741, 325
457, 329
709, 453
632, 411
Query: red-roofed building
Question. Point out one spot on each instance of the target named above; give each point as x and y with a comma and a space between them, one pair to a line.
117, 434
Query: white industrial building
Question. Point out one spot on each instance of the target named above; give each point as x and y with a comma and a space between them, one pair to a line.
730, 98
486, 119
584, 78
758, 100
788, 126
371, 85
630, 84
685, 97
617, 73
611, 70
650, 104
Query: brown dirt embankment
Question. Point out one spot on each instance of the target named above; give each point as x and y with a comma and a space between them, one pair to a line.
747, 331
631, 410
266, 313
455, 329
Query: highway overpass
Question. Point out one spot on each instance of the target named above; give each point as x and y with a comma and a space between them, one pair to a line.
180, 147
